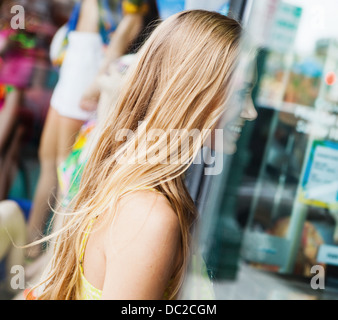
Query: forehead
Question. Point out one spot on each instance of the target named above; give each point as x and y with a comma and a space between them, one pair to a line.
252, 76
246, 74
252, 72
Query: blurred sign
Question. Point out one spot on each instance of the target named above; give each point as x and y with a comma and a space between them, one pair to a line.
259, 28
320, 183
212, 5
265, 248
328, 255
284, 28
331, 88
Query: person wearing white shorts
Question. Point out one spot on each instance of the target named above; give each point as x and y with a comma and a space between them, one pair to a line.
80, 66
82, 62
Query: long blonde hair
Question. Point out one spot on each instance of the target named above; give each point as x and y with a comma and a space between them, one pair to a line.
181, 81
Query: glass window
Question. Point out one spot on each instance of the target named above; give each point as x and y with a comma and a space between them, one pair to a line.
270, 223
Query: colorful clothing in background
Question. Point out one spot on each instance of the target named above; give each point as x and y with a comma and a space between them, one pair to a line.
70, 171
134, 6
22, 50
111, 14
18, 60
25, 65
4, 90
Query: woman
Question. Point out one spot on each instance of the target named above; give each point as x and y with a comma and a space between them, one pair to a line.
127, 232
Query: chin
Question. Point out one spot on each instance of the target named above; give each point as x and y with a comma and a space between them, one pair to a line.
230, 143
227, 145
230, 149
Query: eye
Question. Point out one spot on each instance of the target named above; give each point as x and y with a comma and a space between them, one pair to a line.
245, 93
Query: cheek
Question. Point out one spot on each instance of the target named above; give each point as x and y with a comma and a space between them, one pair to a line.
229, 144
232, 113
224, 141
221, 141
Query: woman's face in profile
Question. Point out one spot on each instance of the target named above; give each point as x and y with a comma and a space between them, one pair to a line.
239, 109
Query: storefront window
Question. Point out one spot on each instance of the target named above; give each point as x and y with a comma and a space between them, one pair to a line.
275, 214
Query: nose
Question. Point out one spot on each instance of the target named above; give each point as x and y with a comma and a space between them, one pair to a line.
249, 112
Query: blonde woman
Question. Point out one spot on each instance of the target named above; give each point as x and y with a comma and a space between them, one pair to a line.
127, 232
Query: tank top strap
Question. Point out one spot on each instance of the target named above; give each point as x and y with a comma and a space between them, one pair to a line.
84, 243
88, 230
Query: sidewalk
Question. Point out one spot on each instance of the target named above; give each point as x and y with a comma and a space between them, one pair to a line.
254, 284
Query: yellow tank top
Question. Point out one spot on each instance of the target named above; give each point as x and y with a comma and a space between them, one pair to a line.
88, 291
201, 285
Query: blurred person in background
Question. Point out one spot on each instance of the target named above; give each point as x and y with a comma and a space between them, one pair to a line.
12, 230
98, 32
165, 8
26, 81
23, 53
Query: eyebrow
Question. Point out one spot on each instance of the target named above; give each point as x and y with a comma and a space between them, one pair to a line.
249, 85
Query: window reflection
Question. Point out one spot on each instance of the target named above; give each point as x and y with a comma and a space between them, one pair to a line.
281, 190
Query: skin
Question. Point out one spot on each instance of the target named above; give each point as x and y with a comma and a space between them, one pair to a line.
238, 112
143, 245
248, 113
9, 162
8, 115
9, 155
57, 139
12, 228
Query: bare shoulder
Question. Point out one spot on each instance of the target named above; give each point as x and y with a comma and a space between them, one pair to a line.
144, 215
142, 248
148, 205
